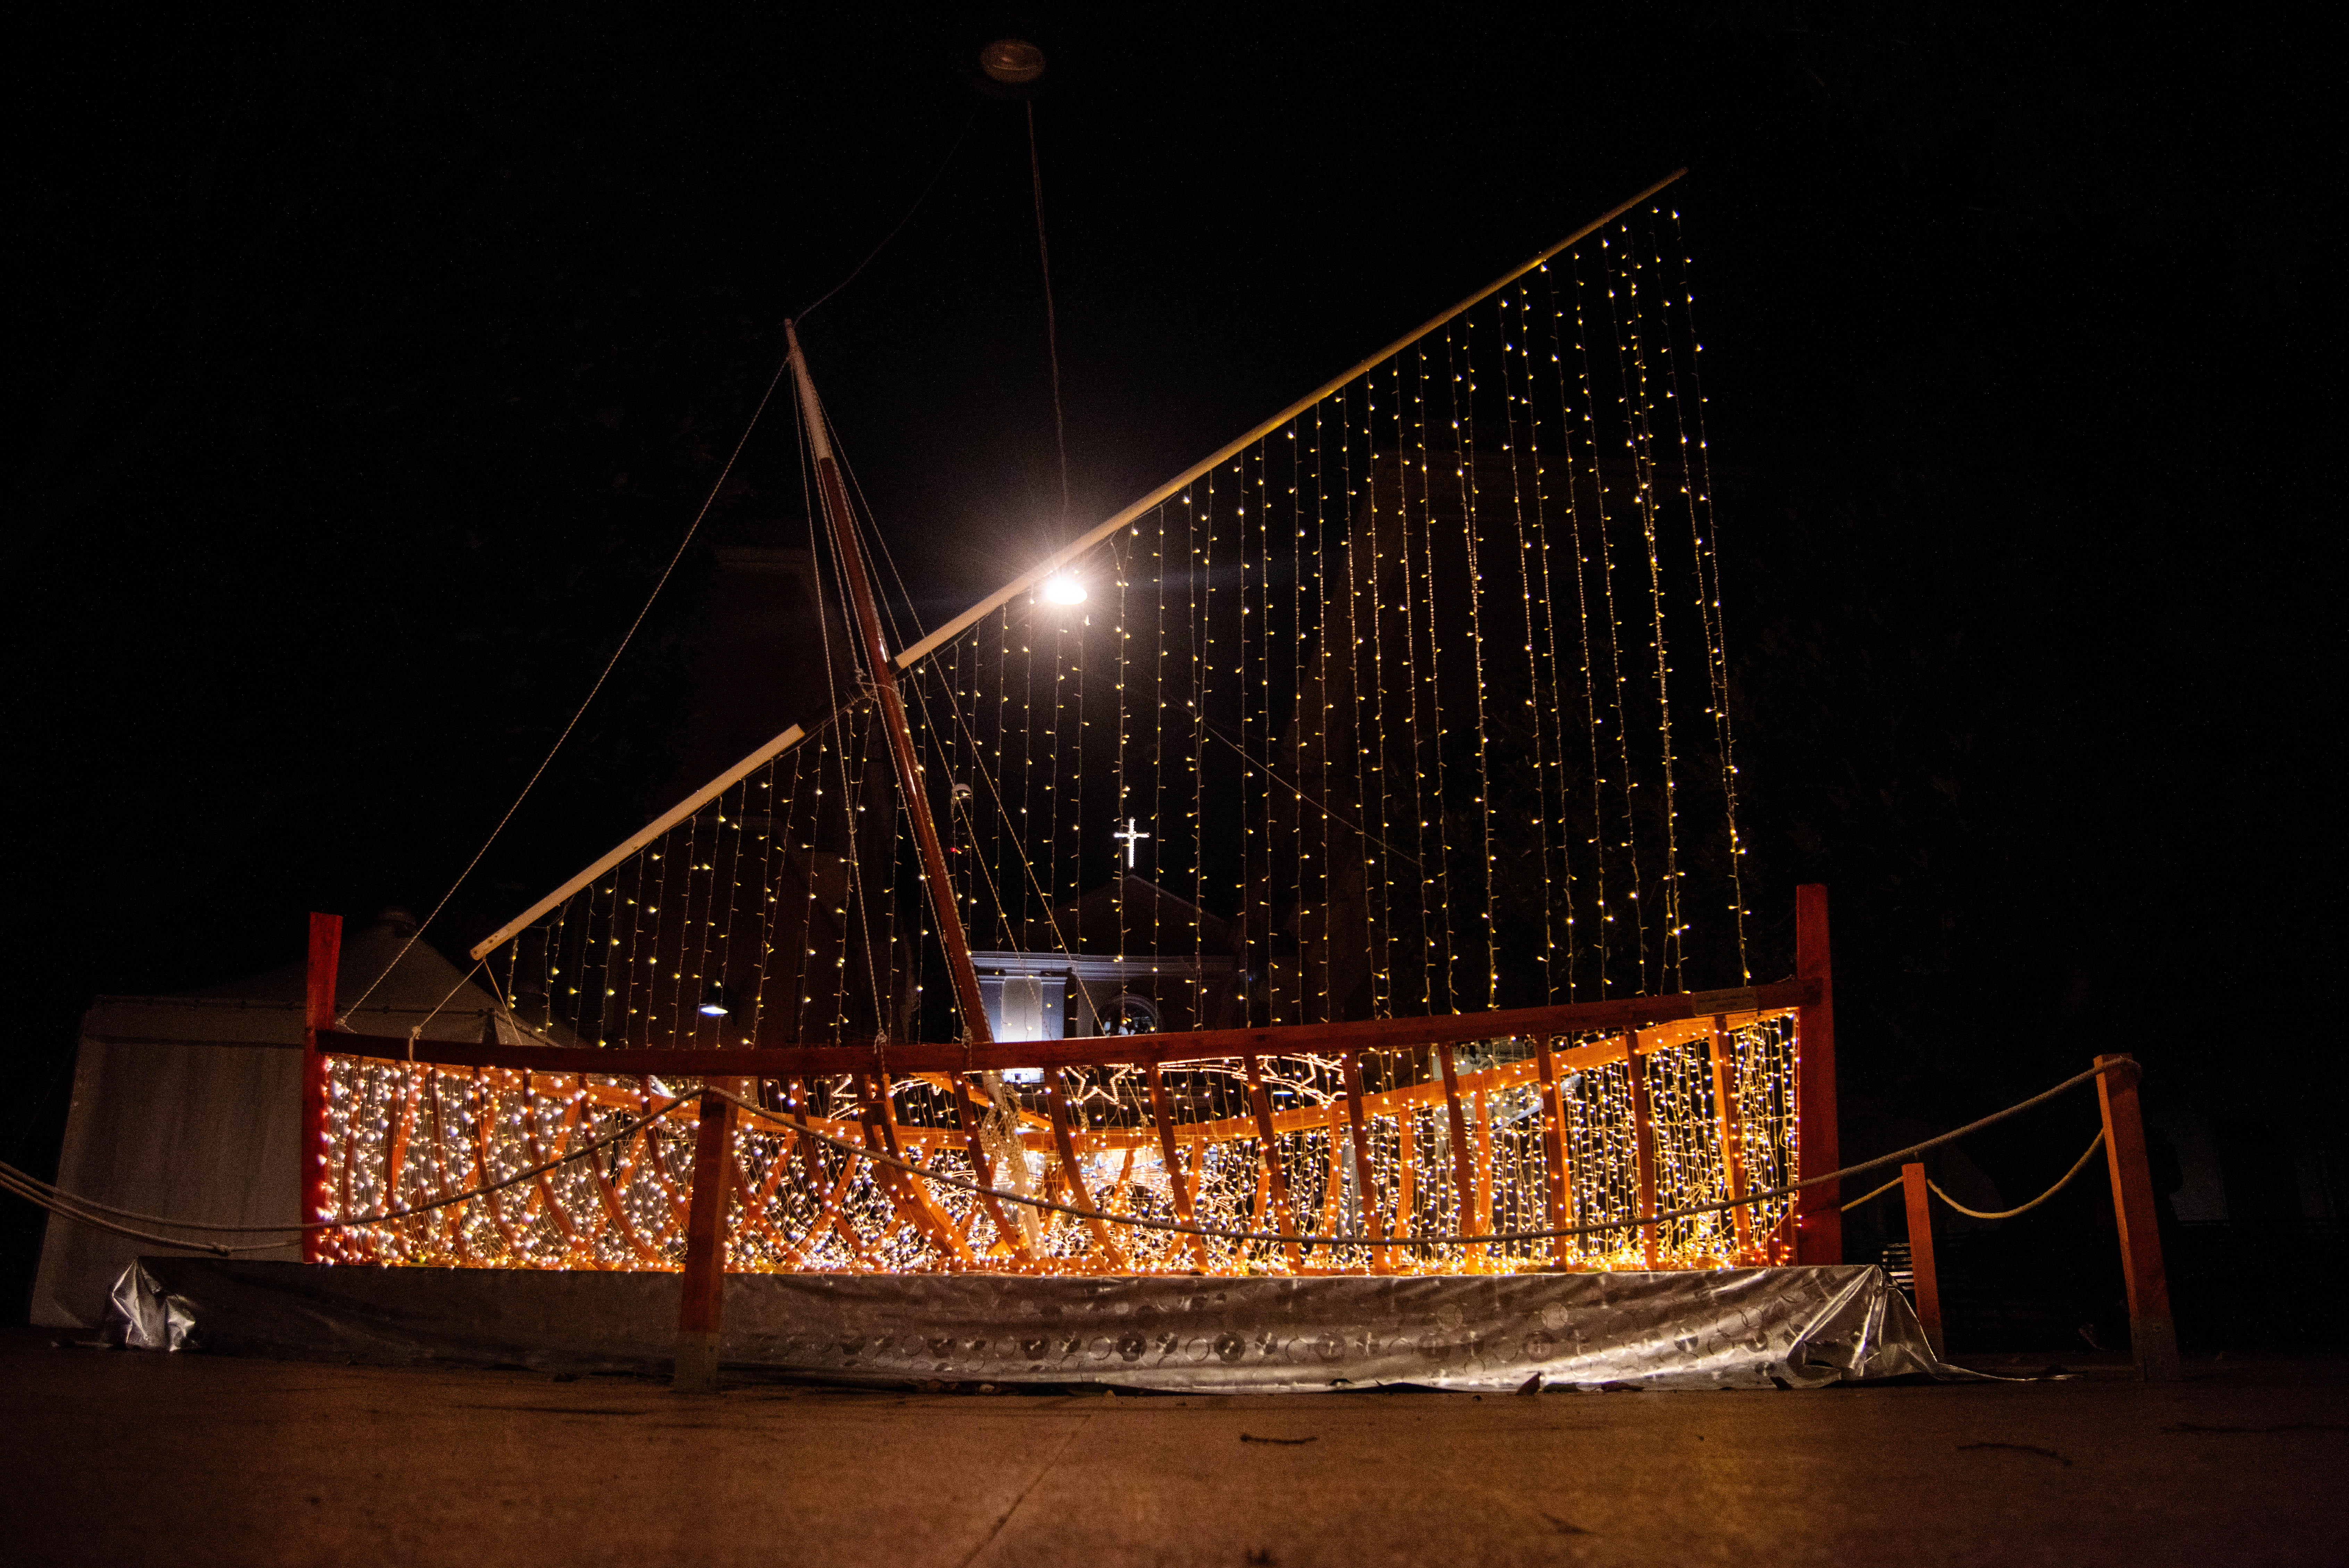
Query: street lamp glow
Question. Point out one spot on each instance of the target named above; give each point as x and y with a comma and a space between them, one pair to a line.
1064, 590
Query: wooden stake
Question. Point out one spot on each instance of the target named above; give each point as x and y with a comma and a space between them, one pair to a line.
1643, 1143
1464, 1170
701, 1303
1553, 1112
1920, 1255
2153, 1335
1733, 1148
1818, 1226
318, 1018
1406, 1177
1365, 1183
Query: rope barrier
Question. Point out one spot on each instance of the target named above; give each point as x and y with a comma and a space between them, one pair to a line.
87, 1211
2061, 1182
1877, 1193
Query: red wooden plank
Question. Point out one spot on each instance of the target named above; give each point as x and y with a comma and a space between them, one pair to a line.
1818, 1226
783, 1061
701, 1303
318, 1018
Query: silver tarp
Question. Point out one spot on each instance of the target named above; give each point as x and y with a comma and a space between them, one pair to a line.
1727, 1328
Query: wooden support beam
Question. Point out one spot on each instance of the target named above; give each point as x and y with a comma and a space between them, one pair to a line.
1056, 1101
1818, 1224
1406, 1177
971, 1115
1269, 1151
1464, 1173
317, 1018
1365, 1181
1643, 1145
1731, 1133
1559, 1189
701, 1303
484, 1118
909, 1197
395, 1151
2153, 1335
1920, 1254
1333, 1188
1163, 1116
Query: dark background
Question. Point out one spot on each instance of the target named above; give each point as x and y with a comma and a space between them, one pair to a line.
371, 370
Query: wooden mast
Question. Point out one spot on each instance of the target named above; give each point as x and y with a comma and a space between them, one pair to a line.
875, 656
875, 653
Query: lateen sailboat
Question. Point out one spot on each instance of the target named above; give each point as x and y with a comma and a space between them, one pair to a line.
1302, 872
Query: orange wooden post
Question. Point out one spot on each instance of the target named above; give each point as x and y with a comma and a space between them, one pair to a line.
1920, 1255
701, 1306
1643, 1145
1818, 1224
2153, 1335
317, 1018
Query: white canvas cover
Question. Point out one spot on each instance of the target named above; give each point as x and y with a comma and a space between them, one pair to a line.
191, 1106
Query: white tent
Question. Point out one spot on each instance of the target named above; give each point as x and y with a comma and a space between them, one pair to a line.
191, 1106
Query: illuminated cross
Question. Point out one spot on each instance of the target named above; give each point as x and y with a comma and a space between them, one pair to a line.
1131, 839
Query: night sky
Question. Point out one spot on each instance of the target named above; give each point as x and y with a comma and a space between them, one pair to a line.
371, 372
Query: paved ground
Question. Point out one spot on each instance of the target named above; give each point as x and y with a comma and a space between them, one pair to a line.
118, 1457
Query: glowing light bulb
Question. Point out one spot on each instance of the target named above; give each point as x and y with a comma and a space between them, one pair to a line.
1064, 590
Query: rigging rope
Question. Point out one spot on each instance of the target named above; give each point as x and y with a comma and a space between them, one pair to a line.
858, 269
716, 486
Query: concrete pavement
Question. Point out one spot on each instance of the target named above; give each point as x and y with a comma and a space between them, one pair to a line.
117, 1456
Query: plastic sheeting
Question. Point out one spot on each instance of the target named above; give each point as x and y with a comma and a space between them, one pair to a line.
1729, 1328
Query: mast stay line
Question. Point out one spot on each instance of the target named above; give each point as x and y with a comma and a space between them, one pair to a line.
1059, 560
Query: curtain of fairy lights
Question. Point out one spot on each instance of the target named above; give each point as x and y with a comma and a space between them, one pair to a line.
1416, 706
